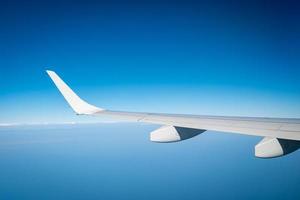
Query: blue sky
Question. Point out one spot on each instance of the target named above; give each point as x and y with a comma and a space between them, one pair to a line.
219, 58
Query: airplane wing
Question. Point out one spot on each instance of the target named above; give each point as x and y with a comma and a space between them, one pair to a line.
281, 136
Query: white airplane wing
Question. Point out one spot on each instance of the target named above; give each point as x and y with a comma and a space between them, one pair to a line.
281, 136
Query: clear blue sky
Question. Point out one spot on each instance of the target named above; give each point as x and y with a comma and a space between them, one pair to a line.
237, 58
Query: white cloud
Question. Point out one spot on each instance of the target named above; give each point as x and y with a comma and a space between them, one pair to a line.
53, 123
6, 124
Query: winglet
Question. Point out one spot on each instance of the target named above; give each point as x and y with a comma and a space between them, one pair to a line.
76, 103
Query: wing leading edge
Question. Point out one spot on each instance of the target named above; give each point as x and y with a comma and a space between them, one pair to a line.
288, 129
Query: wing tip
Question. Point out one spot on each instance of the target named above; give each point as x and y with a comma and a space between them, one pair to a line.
77, 104
50, 72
